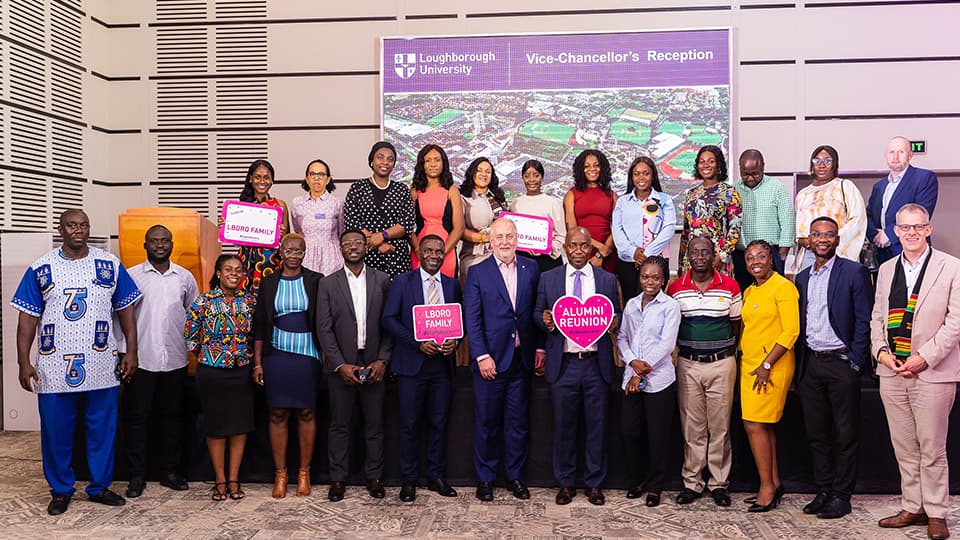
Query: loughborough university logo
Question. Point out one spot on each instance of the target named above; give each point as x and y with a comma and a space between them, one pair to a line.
405, 64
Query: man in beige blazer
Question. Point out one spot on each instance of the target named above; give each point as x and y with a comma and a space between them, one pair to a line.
919, 367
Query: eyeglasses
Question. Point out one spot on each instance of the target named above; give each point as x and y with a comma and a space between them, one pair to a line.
824, 235
317, 175
920, 227
293, 252
821, 161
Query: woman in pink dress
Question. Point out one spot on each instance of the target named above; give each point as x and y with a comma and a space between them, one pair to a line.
318, 216
589, 204
439, 208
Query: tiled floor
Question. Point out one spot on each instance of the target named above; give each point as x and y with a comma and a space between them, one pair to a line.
164, 514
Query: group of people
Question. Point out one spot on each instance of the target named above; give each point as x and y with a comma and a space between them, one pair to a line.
337, 296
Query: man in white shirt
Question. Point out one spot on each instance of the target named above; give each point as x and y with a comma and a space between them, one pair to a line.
157, 387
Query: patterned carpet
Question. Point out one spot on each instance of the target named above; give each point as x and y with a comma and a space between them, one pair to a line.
164, 514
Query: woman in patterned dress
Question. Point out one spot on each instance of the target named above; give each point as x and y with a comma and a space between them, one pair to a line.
589, 204
439, 207
218, 330
383, 210
483, 200
318, 216
260, 261
712, 208
833, 197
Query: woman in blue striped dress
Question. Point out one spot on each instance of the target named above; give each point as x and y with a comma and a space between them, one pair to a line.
286, 358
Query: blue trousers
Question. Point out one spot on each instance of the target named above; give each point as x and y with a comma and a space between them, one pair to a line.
501, 415
58, 418
580, 385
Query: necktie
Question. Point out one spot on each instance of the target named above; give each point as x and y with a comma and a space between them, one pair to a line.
577, 284
433, 291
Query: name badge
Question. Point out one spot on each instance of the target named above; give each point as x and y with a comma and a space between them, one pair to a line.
320, 215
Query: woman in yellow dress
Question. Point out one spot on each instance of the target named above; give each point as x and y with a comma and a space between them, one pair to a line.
771, 324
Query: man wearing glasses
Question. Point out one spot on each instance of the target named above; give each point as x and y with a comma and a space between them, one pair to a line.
835, 299
904, 184
914, 334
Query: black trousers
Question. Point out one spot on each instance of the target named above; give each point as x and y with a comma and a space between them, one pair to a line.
655, 411
159, 393
830, 394
426, 400
629, 277
343, 398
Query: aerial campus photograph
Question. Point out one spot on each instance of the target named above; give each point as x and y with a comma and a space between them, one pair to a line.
667, 124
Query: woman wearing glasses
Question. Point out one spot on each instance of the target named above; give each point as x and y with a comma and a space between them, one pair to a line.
318, 216
286, 361
833, 197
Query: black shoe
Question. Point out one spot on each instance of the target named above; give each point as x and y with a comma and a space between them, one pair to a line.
108, 498
754, 508
817, 504
750, 500
566, 495
778, 494
375, 488
720, 497
834, 508
174, 481
441, 487
58, 505
485, 491
135, 487
687, 496
408, 492
337, 489
518, 489
653, 499
635, 492
595, 496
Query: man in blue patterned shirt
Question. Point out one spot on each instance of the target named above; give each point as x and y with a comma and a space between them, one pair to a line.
71, 293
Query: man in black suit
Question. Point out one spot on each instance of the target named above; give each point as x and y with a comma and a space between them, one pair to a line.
356, 352
424, 369
836, 299
578, 375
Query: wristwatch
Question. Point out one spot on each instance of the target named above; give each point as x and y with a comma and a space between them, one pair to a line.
767, 366
599, 256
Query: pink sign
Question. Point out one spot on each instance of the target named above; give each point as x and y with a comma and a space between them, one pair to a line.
249, 224
437, 322
583, 322
534, 233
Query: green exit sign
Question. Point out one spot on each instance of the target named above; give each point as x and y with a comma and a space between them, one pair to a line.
918, 147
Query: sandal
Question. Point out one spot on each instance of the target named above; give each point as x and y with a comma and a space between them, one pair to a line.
218, 494
235, 494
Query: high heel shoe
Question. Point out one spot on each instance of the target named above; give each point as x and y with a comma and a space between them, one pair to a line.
776, 496
280, 484
303, 482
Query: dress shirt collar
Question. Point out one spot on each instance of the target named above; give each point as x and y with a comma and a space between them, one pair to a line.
908, 266
350, 274
571, 270
425, 277
894, 179
512, 265
148, 267
827, 266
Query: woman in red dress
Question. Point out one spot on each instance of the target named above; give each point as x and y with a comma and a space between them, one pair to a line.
589, 204
439, 208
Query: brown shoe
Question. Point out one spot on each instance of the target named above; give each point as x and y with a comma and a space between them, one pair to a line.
937, 529
303, 482
566, 495
280, 484
903, 519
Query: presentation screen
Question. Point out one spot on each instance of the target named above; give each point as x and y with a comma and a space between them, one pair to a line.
511, 98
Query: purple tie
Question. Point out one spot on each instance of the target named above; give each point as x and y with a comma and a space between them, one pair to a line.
577, 284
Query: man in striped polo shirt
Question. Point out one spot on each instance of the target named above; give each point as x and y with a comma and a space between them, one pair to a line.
710, 305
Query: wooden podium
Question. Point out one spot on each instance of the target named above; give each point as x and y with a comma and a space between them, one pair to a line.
195, 243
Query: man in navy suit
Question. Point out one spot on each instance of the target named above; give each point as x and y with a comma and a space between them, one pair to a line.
578, 375
836, 301
424, 369
904, 184
498, 306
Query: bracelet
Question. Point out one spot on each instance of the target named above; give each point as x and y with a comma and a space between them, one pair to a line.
257, 367
386, 235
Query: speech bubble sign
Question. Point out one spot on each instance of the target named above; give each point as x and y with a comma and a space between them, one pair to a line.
437, 322
534, 233
249, 224
583, 322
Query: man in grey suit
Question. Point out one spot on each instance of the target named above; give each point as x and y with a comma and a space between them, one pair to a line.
356, 352
914, 334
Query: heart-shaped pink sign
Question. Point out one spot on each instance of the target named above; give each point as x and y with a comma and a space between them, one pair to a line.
583, 322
